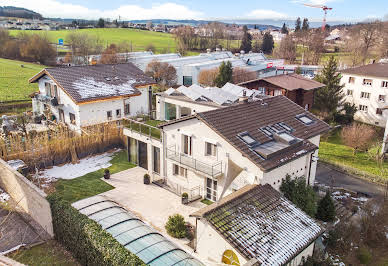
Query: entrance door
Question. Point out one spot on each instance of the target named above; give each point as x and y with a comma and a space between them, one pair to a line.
143, 162
211, 189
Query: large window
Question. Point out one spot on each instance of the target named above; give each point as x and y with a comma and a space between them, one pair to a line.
365, 95
170, 111
109, 115
363, 108
187, 80
127, 109
72, 118
384, 84
210, 149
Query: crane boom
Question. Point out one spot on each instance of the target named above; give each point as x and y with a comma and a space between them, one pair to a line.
324, 8
315, 6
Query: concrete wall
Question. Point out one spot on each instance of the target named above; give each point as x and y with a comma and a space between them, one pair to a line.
31, 199
373, 102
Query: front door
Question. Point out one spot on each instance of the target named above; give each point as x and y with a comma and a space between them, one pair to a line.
211, 189
143, 161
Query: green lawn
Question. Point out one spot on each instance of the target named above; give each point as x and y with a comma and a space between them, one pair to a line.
91, 184
47, 254
14, 84
163, 42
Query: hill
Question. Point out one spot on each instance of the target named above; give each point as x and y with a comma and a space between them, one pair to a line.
18, 12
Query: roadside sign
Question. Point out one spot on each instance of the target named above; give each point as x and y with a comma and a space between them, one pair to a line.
60, 41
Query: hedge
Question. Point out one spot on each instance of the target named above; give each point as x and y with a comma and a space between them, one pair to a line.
85, 239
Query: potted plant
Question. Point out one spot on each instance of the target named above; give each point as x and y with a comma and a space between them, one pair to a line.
185, 198
106, 174
147, 179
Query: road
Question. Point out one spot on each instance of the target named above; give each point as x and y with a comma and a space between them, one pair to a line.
325, 175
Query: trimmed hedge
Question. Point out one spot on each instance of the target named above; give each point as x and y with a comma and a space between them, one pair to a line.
85, 239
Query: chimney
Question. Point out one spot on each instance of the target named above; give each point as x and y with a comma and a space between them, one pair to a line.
243, 99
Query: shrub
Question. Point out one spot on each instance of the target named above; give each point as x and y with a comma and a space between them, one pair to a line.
176, 227
326, 209
364, 255
185, 195
147, 179
85, 239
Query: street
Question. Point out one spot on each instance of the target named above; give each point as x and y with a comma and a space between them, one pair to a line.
325, 175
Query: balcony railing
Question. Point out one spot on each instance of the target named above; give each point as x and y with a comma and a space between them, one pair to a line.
213, 170
143, 128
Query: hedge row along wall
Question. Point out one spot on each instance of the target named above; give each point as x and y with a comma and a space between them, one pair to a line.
85, 239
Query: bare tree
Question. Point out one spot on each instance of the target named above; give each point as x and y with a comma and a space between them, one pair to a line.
109, 56
207, 77
185, 37
83, 45
286, 49
315, 48
357, 136
163, 73
242, 74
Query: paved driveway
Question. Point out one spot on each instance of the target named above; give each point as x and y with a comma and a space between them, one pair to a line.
151, 203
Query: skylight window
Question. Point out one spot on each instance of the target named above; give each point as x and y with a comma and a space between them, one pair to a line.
248, 139
305, 119
267, 131
285, 126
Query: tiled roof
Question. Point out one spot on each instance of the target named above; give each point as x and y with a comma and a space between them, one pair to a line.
86, 83
379, 70
262, 224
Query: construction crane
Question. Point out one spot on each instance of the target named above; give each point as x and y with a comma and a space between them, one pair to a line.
325, 9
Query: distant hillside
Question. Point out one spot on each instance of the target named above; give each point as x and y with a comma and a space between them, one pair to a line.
18, 12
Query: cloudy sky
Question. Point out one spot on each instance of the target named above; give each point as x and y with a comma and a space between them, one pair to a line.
344, 10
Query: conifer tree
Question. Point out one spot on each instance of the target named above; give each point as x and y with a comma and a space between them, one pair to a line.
246, 42
326, 209
284, 29
225, 74
297, 25
305, 25
268, 43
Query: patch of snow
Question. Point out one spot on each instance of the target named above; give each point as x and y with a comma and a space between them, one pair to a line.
12, 249
361, 199
4, 197
300, 152
85, 166
16, 164
90, 88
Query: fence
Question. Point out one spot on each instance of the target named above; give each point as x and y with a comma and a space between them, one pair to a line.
194, 193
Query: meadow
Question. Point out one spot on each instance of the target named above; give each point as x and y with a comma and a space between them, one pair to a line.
14, 78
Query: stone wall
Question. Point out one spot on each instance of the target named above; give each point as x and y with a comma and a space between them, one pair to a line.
27, 196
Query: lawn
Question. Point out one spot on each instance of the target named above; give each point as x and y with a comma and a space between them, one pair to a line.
91, 184
14, 84
163, 42
332, 150
49, 253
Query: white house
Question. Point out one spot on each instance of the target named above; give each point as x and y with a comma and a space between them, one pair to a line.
81, 96
256, 225
213, 153
367, 88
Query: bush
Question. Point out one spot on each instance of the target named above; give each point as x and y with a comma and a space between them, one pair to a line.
85, 238
185, 195
176, 227
326, 209
364, 255
147, 179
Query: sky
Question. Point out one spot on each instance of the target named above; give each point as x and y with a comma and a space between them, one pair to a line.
224, 10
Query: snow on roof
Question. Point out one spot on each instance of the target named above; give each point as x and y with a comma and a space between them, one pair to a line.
237, 90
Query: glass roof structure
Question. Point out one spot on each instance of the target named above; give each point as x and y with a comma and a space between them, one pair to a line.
140, 239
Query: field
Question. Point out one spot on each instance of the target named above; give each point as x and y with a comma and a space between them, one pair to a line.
163, 42
14, 84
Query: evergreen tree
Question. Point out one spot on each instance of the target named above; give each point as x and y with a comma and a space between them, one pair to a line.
305, 25
268, 43
225, 74
326, 209
101, 23
246, 42
284, 29
297, 25
330, 97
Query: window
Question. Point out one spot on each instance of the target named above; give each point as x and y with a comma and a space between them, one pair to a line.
261, 90
250, 141
186, 144
47, 87
187, 80
127, 109
352, 80
349, 93
363, 108
384, 84
305, 119
365, 95
179, 170
382, 98
118, 113
109, 115
379, 111
72, 118
54, 91
211, 149
367, 82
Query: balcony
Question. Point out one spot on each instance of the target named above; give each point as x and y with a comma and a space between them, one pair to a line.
147, 128
213, 170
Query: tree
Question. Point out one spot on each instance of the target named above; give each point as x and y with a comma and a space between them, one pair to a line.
297, 25
345, 116
82, 45
37, 48
241, 74
162, 72
185, 39
284, 29
305, 25
150, 47
246, 42
176, 226
207, 77
357, 136
268, 43
330, 97
225, 74
109, 56
101, 23
286, 49
326, 209
299, 193
315, 48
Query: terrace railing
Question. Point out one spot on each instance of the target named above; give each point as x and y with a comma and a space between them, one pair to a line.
143, 128
212, 170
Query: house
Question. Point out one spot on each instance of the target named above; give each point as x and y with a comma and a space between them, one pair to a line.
297, 88
81, 96
213, 153
256, 225
367, 88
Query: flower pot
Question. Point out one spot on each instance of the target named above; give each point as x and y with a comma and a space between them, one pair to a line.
106, 174
185, 201
147, 179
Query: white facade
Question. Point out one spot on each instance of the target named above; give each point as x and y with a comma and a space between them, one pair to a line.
370, 95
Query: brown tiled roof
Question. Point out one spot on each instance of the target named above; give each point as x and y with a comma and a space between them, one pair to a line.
291, 82
87, 83
228, 122
262, 224
379, 70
